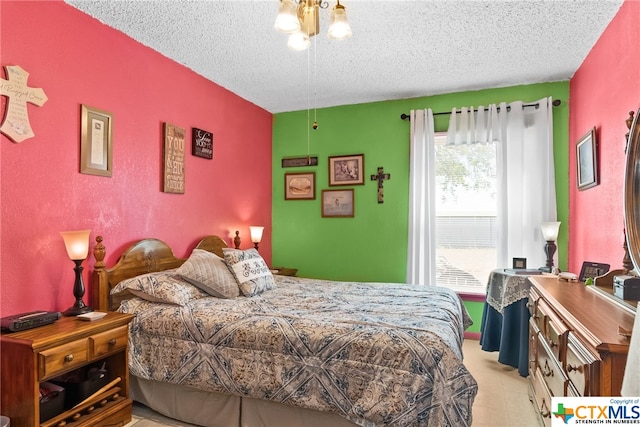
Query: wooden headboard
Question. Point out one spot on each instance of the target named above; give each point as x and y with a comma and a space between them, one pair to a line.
144, 256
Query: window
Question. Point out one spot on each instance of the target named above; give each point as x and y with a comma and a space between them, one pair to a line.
465, 214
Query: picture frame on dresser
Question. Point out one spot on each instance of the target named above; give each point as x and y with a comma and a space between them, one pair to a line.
96, 141
587, 160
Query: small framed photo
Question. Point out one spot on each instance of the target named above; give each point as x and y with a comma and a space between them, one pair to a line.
519, 263
346, 170
300, 186
96, 141
587, 160
337, 203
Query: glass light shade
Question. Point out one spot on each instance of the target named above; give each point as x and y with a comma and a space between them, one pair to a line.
256, 233
287, 19
298, 41
339, 29
550, 231
77, 243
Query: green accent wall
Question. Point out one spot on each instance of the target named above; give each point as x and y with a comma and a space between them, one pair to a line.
474, 309
372, 245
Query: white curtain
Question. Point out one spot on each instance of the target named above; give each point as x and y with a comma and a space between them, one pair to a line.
525, 172
421, 259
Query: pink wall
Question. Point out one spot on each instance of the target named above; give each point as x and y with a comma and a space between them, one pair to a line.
603, 91
77, 60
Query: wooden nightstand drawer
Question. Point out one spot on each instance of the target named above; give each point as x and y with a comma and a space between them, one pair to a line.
108, 341
62, 358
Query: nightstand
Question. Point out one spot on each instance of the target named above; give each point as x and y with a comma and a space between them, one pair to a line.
284, 271
34, 356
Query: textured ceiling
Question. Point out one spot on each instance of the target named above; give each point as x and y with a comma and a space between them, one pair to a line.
399, 49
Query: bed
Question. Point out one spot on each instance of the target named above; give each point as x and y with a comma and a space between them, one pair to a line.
299, 352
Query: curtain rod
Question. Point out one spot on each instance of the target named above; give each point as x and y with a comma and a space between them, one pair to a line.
555, 103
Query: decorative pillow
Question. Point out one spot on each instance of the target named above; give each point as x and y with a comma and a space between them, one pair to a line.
250, 270
161, 286
208, 272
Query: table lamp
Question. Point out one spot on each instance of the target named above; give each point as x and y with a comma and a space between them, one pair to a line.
550, 234
77, 244
256, 234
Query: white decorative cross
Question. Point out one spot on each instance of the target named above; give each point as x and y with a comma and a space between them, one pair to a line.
16, 120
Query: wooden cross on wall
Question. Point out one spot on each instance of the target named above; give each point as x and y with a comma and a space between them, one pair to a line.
16, 121
380, 177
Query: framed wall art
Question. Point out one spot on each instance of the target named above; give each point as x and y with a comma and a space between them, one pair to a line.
337, 203
346, 170
96, 141
587, 160
300, 186
201, 143
173, 169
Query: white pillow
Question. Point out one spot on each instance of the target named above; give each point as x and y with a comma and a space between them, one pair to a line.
250, 270
208, 272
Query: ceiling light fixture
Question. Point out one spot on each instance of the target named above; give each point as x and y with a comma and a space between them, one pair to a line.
302, 21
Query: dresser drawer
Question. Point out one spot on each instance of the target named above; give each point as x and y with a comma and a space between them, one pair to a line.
533, 345
554, 331
62, 358
542, 397
534, 310
106, 342
580, 366
550, 369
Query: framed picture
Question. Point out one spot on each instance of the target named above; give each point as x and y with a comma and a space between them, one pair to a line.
174, 157
201, 143
587, 161
346, 170
300, 186
337, 203
96, 141
519, 263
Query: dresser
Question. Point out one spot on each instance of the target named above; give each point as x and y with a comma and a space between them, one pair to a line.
575, 348
32, 357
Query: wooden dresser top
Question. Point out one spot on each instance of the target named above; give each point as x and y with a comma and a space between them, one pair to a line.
587, 312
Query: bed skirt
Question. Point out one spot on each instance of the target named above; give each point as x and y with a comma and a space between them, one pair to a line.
211, 409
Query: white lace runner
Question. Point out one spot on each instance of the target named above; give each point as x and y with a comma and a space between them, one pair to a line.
504, 289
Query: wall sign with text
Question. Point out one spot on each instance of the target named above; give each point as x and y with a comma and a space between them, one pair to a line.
174, 137
201, 143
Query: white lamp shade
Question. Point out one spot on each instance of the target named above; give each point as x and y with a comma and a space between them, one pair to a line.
77, 243
256, 233
339, 29
298, 41
287, 19
550, 231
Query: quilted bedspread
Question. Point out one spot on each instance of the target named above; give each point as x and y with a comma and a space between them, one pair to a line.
377, 354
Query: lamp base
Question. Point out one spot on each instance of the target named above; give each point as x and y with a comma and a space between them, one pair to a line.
77, 309
545, 269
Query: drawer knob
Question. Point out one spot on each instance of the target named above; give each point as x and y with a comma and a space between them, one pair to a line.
68, 358
552, 343
112, 342
546, 371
